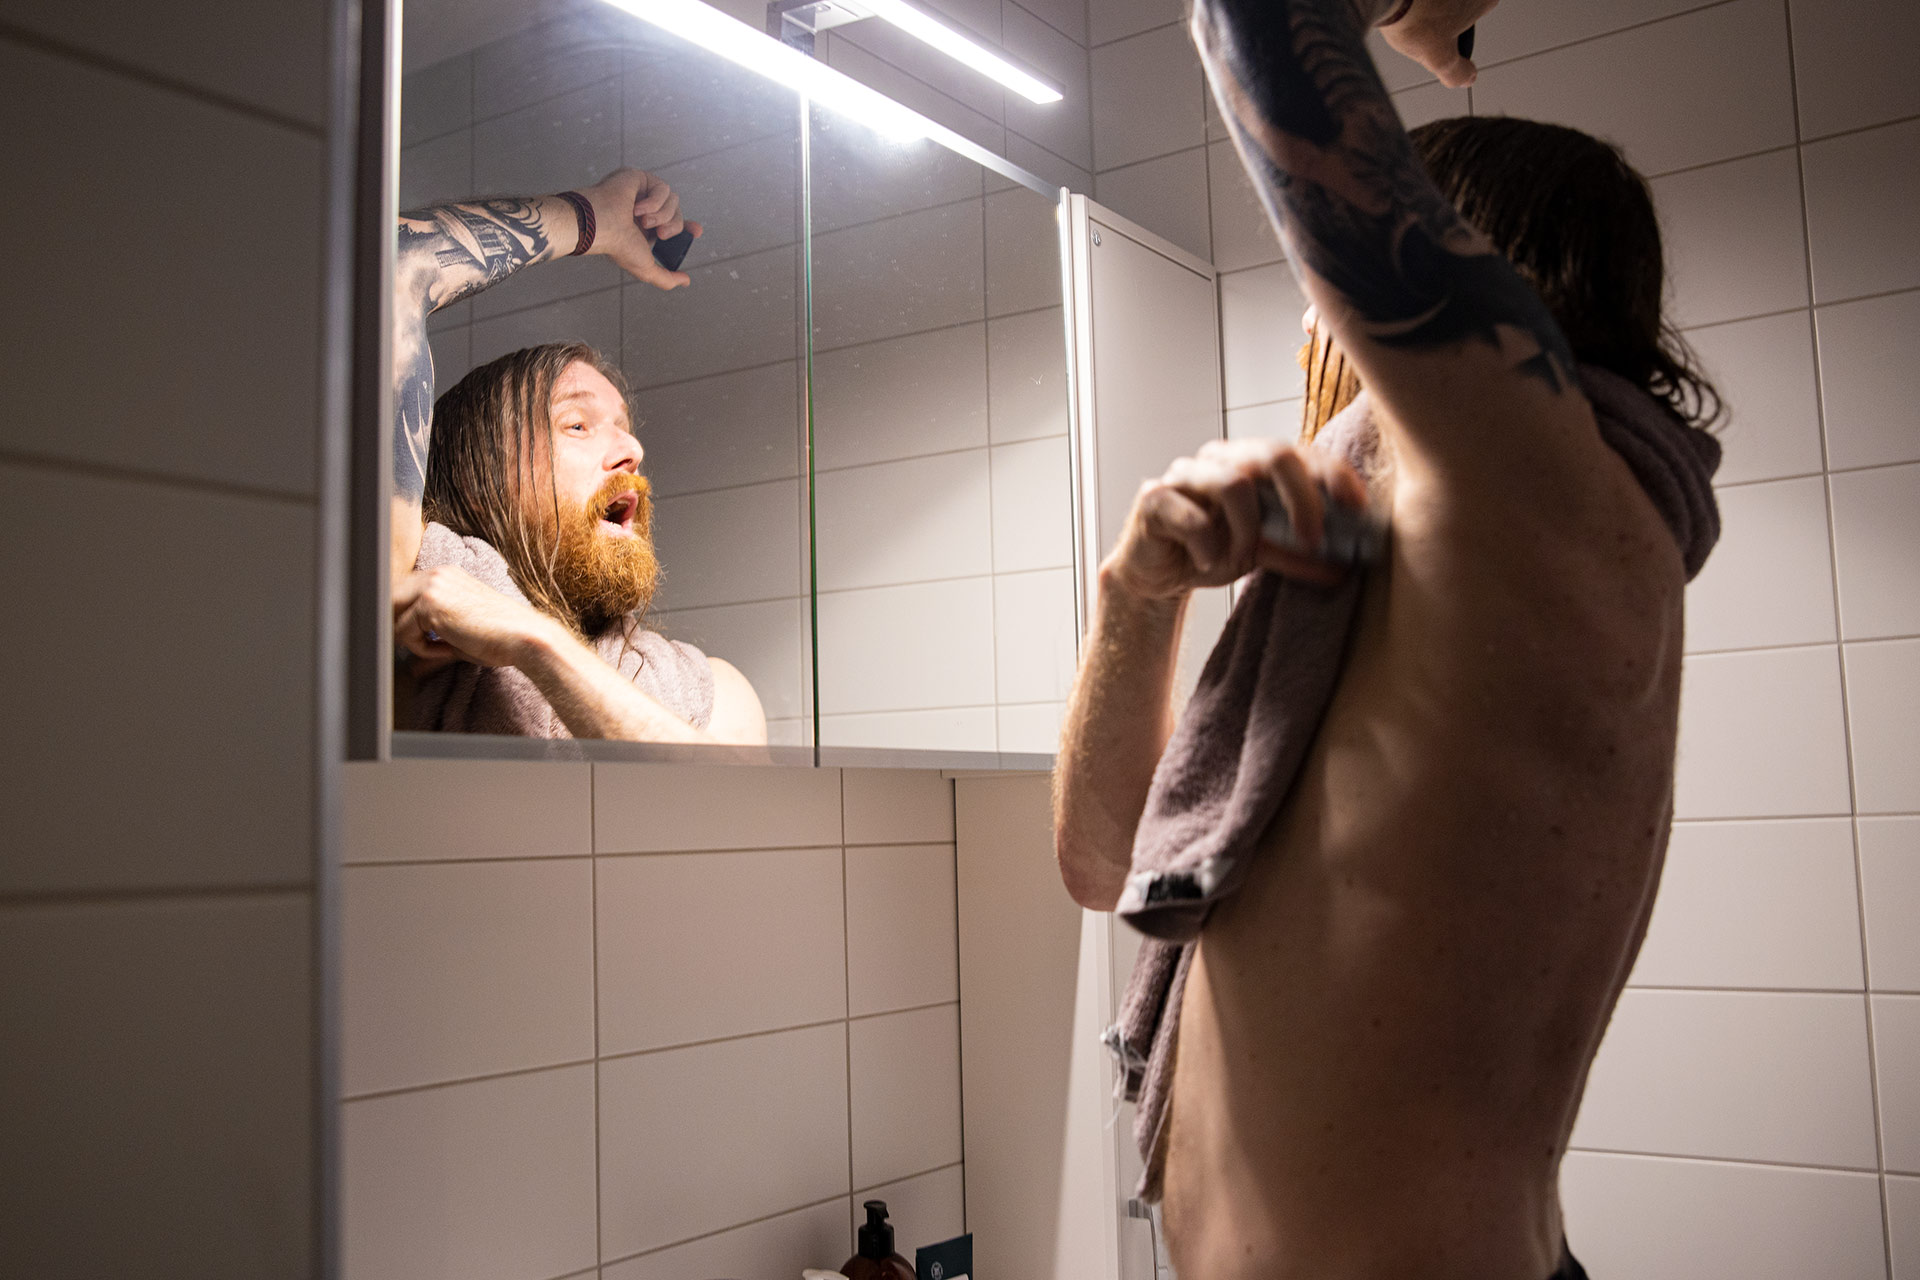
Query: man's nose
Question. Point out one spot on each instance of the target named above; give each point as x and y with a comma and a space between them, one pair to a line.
625, 454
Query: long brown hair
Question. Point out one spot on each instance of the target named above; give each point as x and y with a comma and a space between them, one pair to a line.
492, 433
1578, 223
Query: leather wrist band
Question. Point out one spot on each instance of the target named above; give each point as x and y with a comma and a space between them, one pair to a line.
583, 210
1399, 12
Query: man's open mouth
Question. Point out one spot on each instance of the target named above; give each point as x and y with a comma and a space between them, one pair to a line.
621, 511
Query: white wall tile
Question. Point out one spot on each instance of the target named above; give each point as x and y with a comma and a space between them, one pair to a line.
1861, 193
699, 1139
766, 641
1167, 194
906, 521
156, 1095
1243, 236
436, 100
737, 314
1770, 578
567, 277
1876, 531
1739, 1076
489, 1180
1903, 1220
710, 433
693, 102
1722, 70
1032, 728
1043, 164
438, 171
168, 741
924, 393
1896, 1052
948, 729
746, 198
1397, 71
1851, 63
1035, 636
1061, 127
1761, 736
700, 946
845, 56
452, 352
463, 970
1109, 20
729, 546
897, 806
1069, 17
905, 275
785, 1246
1027, 376
904, 648
1883, 704
592, 318
1870, 385
1756, 904
672, 808
230, 397
1735, 239
1658, 1219
860, 177
901, 946
1515, 30
1032, 505
1277, 421
275, 59
925, 1210
1890, 886
905, 1075
1260, 331
1023, 251
545, 61
1764, 372
1426, 103
563, 143
413, 810
1146, 97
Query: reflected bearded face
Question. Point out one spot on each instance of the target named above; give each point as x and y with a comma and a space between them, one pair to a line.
604, 562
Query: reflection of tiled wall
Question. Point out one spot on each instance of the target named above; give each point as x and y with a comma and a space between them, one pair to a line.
161, 409
946, 605
1756, 1108
716, 367
663, 1021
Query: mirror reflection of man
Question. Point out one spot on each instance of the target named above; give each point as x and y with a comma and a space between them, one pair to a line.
523, 561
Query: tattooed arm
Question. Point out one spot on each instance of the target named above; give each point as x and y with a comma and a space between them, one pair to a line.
1450, 339
450, 252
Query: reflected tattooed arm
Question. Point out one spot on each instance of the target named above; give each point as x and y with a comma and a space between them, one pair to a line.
450, 252
1450, 339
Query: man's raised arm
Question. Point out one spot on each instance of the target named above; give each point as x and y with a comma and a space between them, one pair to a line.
453, 251
1445, 333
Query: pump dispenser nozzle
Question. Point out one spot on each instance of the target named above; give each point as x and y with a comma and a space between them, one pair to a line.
876, 1259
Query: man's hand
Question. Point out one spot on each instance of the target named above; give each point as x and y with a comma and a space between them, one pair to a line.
1430, 34
446, 612
633, 209
1199, 525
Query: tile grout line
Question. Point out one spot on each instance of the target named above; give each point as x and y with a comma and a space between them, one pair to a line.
593, 880
993, 559
1792, 646
133, 475
27, 899
1839, 631
846, 980
1749, 1161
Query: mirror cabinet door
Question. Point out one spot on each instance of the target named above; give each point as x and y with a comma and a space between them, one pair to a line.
943, 493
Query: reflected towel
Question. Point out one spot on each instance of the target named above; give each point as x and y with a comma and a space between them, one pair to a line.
1243, 737
464, 698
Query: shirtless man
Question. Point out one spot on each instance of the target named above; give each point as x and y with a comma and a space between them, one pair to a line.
538, 475
1387, 1030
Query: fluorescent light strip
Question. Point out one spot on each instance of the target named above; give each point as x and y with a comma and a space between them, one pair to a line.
961, 49
755, 50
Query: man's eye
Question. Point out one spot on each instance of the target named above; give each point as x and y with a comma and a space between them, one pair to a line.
575, 426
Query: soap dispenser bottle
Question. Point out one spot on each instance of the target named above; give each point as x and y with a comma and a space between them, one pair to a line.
876, 1259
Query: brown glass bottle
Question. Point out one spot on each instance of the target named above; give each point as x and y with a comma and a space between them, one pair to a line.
876, 1259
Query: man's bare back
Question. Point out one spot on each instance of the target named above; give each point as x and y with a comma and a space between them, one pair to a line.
1386, 1031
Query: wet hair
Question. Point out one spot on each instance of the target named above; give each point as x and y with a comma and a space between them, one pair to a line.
491, 431
1578, 223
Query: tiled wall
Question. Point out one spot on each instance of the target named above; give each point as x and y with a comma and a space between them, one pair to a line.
645, 1022
158, 515
1756, 1107
939, 396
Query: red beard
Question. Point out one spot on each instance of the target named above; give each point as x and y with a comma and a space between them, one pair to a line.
604, 575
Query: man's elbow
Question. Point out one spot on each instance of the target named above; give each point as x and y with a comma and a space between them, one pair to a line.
1089, 881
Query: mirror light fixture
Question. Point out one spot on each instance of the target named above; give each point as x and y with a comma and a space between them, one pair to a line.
960, 48
739, 43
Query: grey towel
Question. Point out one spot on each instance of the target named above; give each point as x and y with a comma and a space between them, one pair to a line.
1243, 737
464, 698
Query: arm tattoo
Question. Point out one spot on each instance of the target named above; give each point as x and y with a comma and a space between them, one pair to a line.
445, 254
1339, 176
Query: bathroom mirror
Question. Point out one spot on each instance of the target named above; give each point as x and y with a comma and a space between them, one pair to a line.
855, 422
